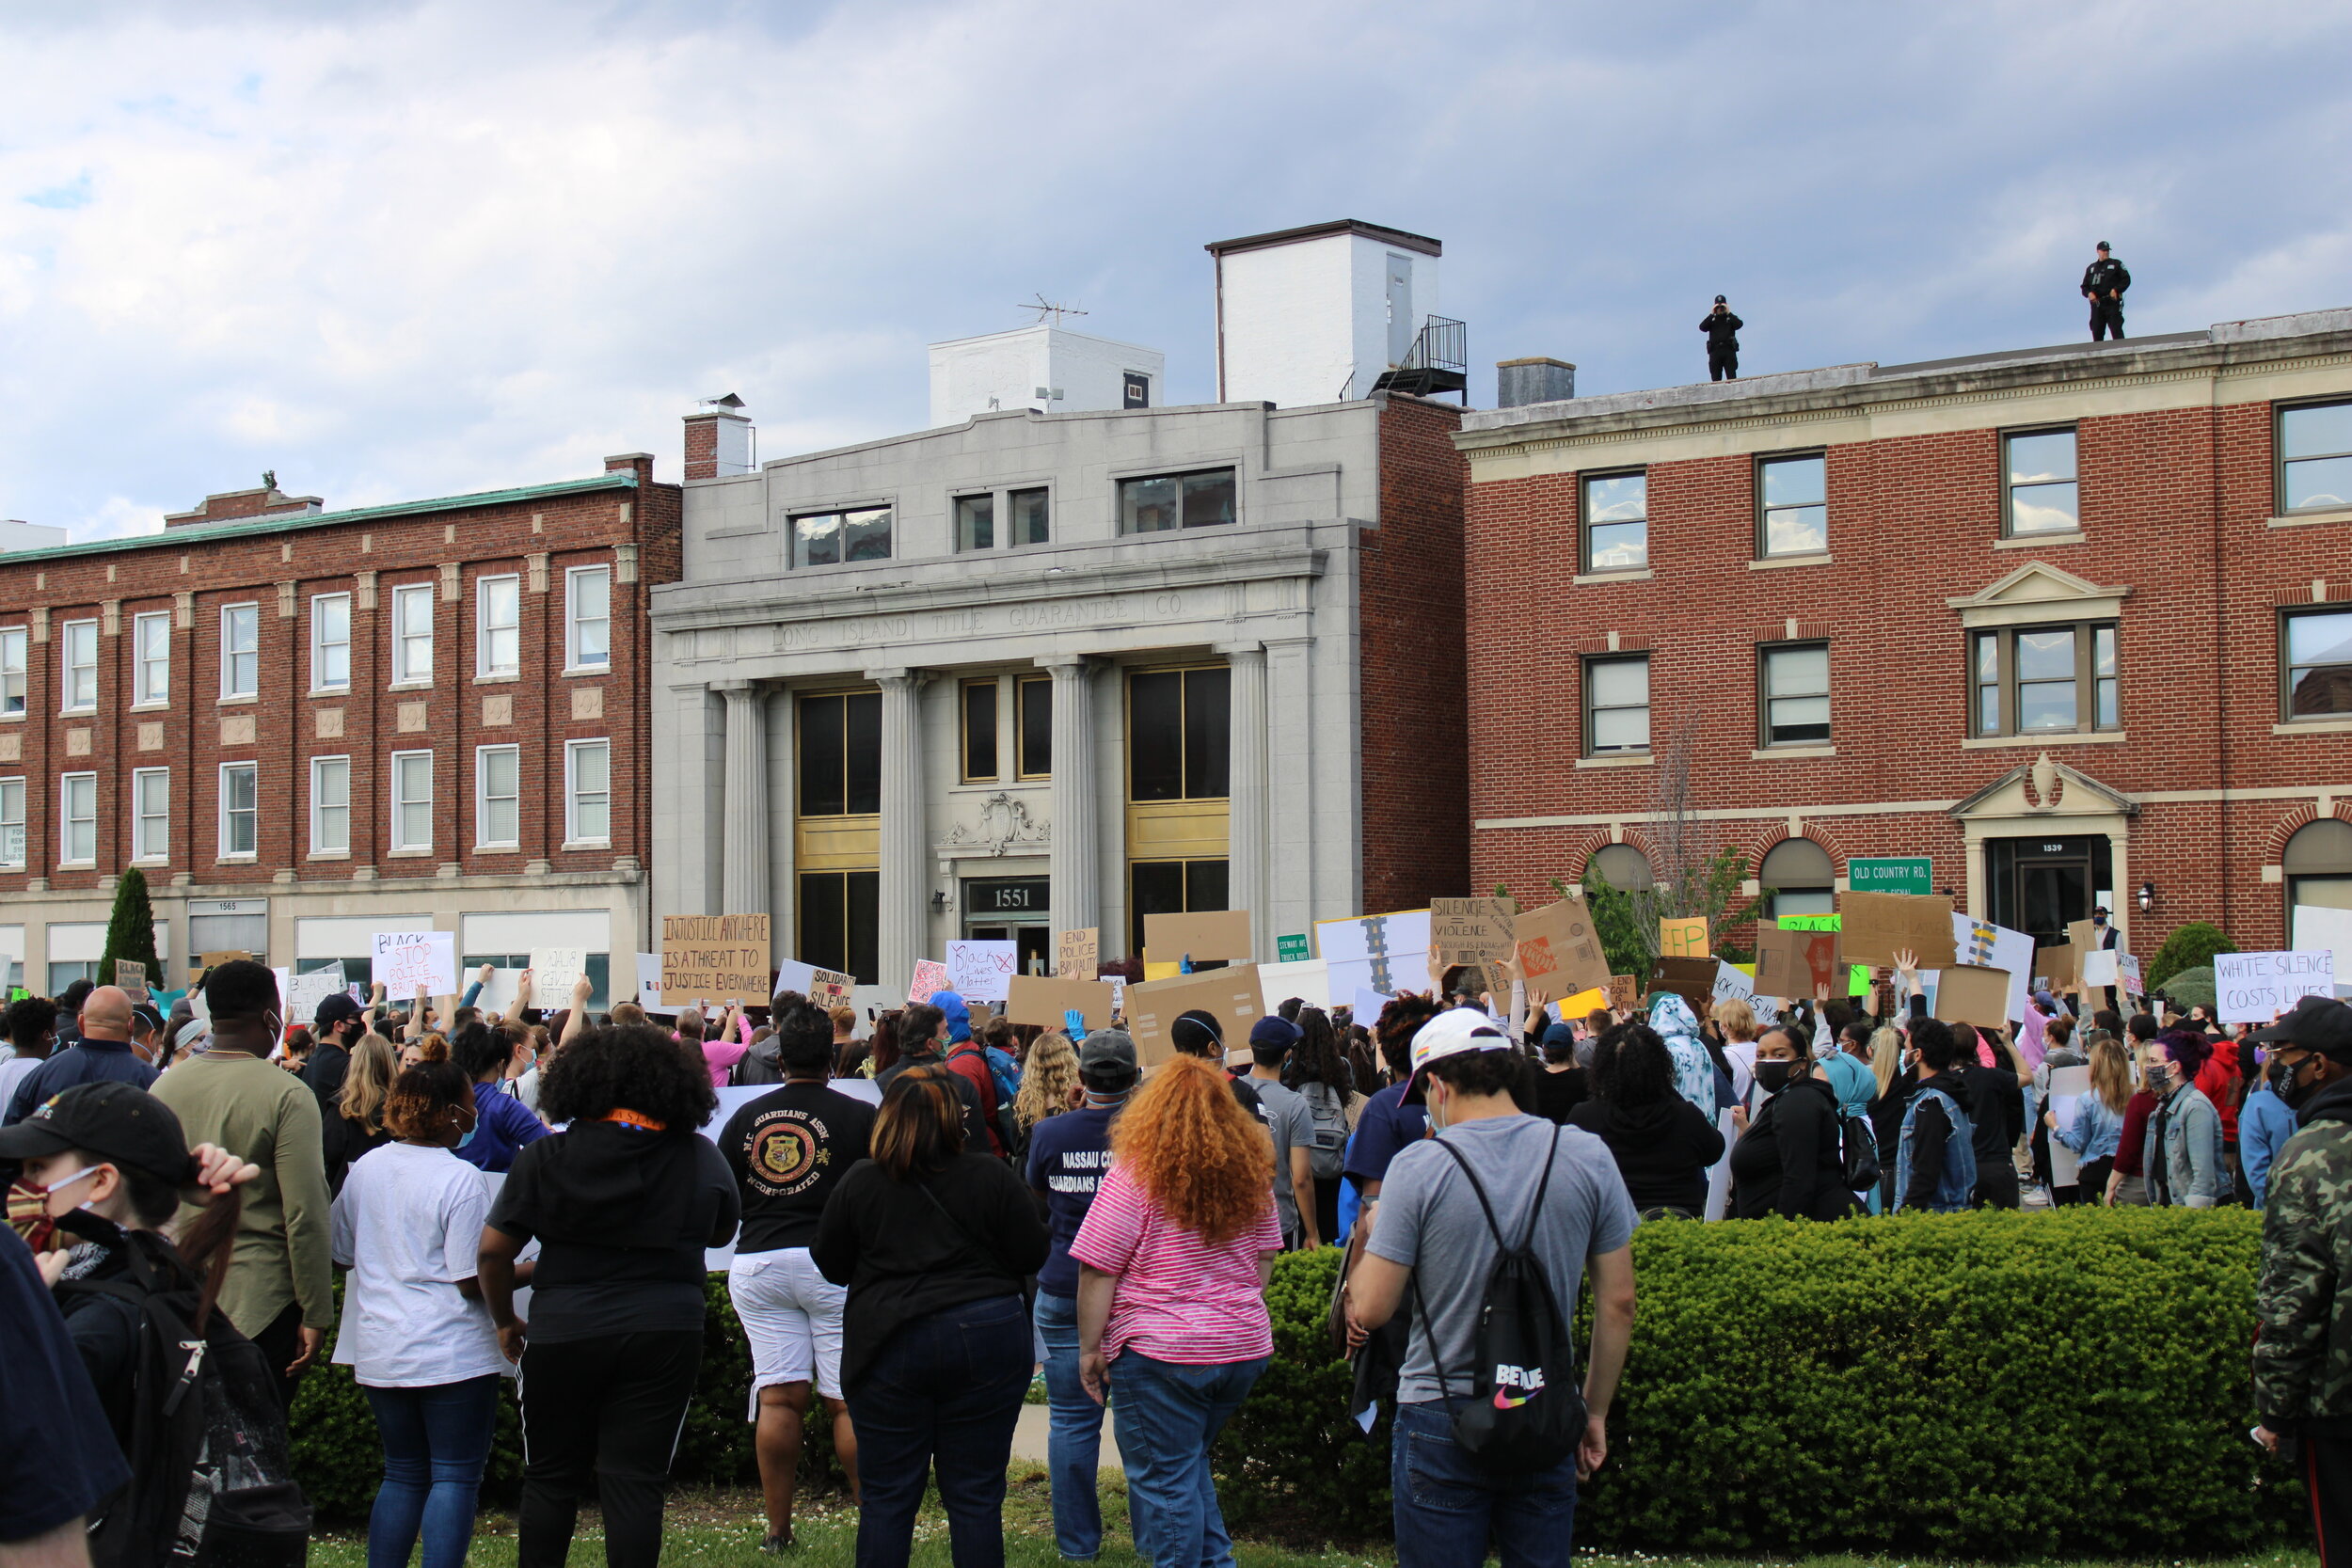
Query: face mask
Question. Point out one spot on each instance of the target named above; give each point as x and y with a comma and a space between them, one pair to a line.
469, 1132
2156, 1077
29, 1208
1773, 1075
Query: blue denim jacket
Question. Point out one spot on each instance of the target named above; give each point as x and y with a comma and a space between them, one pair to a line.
2264, 1123
1957, 1188
2097, 1132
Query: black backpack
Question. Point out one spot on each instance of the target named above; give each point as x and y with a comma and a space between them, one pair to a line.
1526, 1411
1861, 1153
211, 1480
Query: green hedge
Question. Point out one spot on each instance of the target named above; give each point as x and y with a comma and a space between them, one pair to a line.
1972, 1385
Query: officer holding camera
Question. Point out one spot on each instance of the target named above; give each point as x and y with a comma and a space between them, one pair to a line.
1723, 342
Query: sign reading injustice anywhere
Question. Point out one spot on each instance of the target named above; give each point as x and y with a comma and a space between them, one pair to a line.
714, 958
1888, 874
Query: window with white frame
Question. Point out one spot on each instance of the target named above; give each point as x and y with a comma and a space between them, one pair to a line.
77, 815
12, 822
588, 792
498, 797
79, 663
240, 650
15, 641
330, 805
588, 613
151, 648
151, 813
412, 633
498, 607
240, 807
412, 800
330, 641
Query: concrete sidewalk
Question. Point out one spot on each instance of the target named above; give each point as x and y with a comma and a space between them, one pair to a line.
1028, 1438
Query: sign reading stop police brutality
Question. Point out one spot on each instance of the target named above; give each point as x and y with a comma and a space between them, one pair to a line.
404, 960
714, 958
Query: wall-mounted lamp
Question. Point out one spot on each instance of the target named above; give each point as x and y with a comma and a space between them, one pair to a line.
2147, 896
939, 900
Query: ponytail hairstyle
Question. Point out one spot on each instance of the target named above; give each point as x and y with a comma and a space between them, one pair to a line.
423, 1097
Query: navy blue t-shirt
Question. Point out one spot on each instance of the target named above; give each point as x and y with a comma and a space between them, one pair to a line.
59, 1458
1068, 1157
1386, 1126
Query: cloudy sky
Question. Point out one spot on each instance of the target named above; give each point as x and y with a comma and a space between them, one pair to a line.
403, 250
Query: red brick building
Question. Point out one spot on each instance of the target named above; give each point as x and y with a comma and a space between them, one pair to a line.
305, 726
2075, 623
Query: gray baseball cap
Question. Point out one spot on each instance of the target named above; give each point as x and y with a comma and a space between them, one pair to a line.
1106, 1051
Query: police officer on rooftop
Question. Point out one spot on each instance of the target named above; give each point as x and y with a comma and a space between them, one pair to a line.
2104, 282
1723, 342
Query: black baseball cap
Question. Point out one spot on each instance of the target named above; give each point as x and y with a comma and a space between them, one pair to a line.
118, 1122
2319, 1023
1721, 300
334, 1009
2104, 245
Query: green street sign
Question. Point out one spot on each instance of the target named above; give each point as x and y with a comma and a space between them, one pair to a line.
1291, 949
1888, 874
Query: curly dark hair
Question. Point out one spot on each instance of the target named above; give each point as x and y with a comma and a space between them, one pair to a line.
634, 1068
1316, 1058
1640, 1071
1401, 1019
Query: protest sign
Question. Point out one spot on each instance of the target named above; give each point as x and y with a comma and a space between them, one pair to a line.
1622, 997
2255, 988
2054, 966
978, 971
1308, 980
1693, 979
285, 983
1560, 951
711, 957
1472, 930
305, 991
1573, 1009
1383, 953
825, 988
1035, 999
2101, 966
1877, 926
404, 960
131, 976
1790, 963
2315, 927
1985, 945
1077, 955
1231, 994
1201, 936
553, 973
649, 982
2068, 1084
215, 959
930, 978
1967, 995
1683, 936
1291, 949
2127, 971
501, 990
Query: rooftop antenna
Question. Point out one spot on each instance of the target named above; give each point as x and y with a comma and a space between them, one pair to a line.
1045, 308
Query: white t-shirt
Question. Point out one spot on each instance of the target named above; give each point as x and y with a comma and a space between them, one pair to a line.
14, 1069
408, 1225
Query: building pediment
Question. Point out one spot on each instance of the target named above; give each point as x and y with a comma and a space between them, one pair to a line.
2039, 591
2044, 788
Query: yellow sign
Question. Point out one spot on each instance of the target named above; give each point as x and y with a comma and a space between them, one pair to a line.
1682, 939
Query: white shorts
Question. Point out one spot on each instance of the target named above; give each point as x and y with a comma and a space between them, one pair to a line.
792, 1314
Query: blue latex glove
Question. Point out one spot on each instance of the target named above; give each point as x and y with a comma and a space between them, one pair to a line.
1073, 1023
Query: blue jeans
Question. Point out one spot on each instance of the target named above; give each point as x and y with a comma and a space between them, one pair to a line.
435, 1441
1167, 1416
1446, 1504
944, 1395
1073, 1444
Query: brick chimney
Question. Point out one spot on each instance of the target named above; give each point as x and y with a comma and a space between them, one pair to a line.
717, 439
264, 500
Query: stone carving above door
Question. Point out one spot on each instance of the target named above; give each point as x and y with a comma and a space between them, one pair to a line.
1000, 825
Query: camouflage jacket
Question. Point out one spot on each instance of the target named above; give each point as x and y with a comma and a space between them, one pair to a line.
2303, 1302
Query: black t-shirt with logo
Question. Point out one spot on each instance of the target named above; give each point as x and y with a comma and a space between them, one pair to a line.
788, 1149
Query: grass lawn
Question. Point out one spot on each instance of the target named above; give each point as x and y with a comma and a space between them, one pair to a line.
721, 1530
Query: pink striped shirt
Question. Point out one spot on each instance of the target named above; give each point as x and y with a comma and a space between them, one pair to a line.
1178, 1299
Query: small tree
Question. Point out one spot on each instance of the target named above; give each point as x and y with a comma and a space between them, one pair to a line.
131, 930
2189, 946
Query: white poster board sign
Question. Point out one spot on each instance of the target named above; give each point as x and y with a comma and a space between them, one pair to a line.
648, 982
405, 960
2315, 927
2099, 968
982, 971
2068, 1084
2255, 988
1308, 980
553, 973
1380, 952
305, 991
500, 992
1981, 944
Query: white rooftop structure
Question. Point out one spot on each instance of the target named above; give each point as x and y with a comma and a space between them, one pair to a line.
1045, 366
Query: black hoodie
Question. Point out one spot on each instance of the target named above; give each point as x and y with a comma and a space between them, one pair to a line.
1662, 1150
1792, 1160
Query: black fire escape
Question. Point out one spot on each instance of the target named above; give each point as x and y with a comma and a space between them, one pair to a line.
1438, 361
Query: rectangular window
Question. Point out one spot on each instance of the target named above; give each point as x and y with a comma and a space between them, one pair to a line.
2316, 661
240, 650
841, 921
1165, 501
77, 812
2043, 680
151, 813
830, 538
498, 797
1616, 706
840, 756
1179, 734
412, 800
2315, 457
330, 641
976, 522
1792, 504
979, 730
15, 641
588, 789
80, 665
499, 609
1796, 695
588, 612
1615, 508
412, 633
12, 822
330, 805
240, 806
1035, 702
1173, 887
150, 653
2039, 493
1030, 517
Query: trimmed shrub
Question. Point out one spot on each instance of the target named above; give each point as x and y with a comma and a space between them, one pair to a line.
2188, 947
131, 932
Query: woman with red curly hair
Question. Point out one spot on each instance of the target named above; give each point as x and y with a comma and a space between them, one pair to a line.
1173, 1260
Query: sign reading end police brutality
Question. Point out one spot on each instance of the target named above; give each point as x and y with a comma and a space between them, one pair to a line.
714, 958
2255, 988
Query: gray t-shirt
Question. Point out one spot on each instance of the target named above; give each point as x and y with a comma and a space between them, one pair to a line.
1430, 1222
1292, 1124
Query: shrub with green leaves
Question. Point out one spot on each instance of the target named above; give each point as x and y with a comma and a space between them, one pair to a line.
2189, 946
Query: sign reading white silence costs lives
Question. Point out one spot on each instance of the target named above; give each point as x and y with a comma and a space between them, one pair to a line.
2255, 988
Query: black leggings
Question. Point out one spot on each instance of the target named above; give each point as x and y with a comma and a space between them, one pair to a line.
612, 1406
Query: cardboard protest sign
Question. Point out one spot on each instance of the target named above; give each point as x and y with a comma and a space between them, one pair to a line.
1472, 930
1037, 1000
1683, 936
2082, 935
1791, 964
2058, 965
649, 982
215, 959
1200, 936
979, 970
1622, 996
1559, 950
1693, 979
1152, 1009
930, 978
1078, 953
404, 960
714, 958
131, 976
554, 970
1308, 980
305, 991
825, 988
2255, 988
1877, 926
1383, 953
1965, 994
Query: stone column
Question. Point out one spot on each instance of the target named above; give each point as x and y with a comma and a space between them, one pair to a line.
905, 914
744, 853
1246, 830
1076, 859
1297, 759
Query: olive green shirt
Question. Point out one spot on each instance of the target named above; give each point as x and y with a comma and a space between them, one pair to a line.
259, 1111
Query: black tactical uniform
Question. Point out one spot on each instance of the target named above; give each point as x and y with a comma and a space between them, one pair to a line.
2104, 282
1723, 343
